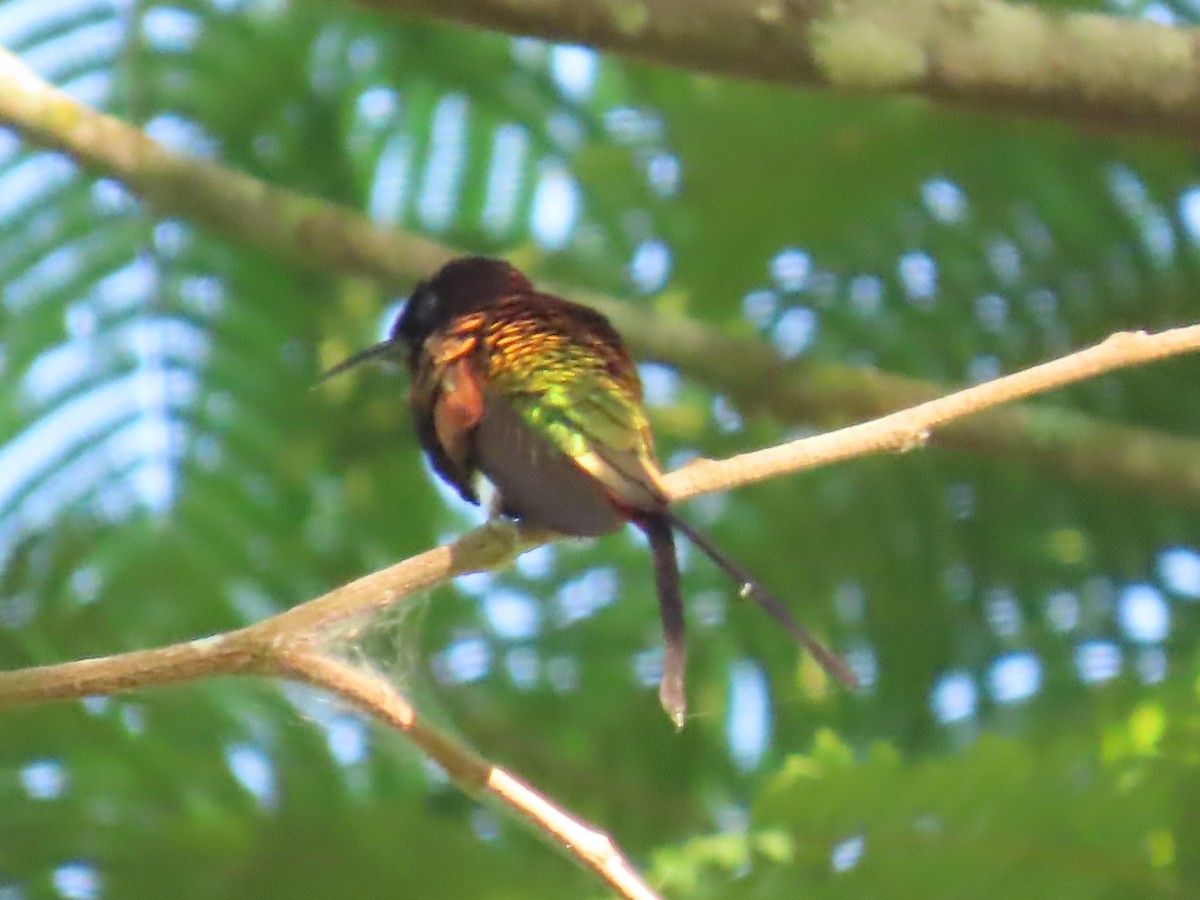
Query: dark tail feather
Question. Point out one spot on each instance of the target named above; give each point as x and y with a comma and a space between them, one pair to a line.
670, 601
753, 590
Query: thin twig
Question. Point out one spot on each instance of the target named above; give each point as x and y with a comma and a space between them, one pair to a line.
1059, 441
375, 695
911, 428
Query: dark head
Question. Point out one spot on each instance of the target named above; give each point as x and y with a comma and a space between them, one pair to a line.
460, 287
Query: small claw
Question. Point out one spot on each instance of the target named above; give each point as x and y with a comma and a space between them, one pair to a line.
503, 529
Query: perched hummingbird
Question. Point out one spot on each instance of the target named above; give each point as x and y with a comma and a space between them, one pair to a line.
539, 396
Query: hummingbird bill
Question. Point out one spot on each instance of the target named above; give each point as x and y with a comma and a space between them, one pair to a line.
539, 396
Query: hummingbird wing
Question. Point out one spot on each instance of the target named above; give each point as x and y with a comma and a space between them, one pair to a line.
535, 482
559, 378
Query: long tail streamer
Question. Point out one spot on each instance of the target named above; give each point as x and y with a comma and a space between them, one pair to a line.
751, 589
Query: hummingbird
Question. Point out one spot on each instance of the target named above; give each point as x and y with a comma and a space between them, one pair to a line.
537, 398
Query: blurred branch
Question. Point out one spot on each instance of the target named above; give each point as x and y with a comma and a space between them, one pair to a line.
1092, 71
318, 235
229, 203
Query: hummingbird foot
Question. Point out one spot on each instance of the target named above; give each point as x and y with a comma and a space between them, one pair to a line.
493, 545
506, 534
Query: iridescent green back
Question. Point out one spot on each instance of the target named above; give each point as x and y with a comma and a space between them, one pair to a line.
566, 371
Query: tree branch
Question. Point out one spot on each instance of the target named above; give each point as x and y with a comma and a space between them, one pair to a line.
911, 428
255, 649
1091, 71
304, 230
232, 653
314, 234
1053, 440
466, 768
296, 644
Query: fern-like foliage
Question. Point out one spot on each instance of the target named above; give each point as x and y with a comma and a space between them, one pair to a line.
166, 470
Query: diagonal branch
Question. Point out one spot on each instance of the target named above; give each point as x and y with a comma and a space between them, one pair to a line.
1091, 71
317, 235
466, 768
231, 653
1054, 440
912, 428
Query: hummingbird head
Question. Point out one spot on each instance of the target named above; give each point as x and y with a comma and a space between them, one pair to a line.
460, 287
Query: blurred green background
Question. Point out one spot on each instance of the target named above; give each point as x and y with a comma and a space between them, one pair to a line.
1028, 725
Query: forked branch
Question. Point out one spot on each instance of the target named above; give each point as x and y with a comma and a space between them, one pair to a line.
295, 644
